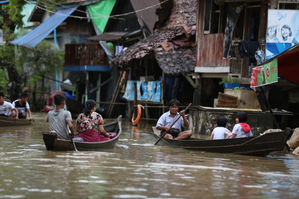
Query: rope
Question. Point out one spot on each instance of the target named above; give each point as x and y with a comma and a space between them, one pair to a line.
111, 16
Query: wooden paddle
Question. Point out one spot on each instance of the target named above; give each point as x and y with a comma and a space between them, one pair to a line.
74, 146
172, 125
75, 149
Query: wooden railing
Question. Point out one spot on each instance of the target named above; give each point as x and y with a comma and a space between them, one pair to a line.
85, 54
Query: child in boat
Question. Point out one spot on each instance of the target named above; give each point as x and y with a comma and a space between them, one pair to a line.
220, 131
241, 129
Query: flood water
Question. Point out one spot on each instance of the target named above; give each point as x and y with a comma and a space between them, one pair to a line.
136, 169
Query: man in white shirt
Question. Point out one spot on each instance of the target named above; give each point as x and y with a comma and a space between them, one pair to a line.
7, 109
169, 117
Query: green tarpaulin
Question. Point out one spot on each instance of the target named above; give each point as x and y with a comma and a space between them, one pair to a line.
100, 12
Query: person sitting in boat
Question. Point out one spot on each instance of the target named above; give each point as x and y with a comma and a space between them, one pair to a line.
60, 120
167, 119
220, 131
22, 105
7, 109
90, 124
241, 129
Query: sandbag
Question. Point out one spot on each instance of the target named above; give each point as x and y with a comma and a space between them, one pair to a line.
293, 142
296, 151
271, 131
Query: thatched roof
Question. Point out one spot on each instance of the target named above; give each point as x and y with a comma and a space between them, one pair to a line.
174, 44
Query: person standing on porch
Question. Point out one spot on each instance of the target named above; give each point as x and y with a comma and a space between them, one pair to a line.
167, 119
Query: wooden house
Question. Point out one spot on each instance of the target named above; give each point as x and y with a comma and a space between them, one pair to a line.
167, 55
239, 22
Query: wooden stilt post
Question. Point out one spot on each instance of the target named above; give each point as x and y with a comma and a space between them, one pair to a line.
114, 96
163, 86
146, 74
135, 99
269, 107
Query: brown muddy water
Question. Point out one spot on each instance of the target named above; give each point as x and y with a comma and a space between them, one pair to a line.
136, 169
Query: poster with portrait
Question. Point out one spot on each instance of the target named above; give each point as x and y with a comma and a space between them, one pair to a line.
282, 31
264, 74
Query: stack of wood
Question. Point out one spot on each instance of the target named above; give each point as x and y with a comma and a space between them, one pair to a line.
228, 101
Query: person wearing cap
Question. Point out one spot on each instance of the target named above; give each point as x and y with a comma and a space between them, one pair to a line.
241, 129
90, 124
60, 120
220, 131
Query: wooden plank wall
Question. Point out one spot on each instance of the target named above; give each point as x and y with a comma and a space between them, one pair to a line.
209, 46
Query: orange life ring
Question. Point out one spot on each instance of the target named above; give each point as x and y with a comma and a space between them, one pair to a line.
139, 111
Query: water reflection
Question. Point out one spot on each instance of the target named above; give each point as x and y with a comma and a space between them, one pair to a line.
135, 168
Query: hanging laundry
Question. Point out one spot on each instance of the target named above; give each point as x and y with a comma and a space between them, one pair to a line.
259, 56
118, 49
248, 48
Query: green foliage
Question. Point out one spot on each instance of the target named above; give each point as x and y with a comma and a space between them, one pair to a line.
14, 9
7, 50
229, 80
3, 78
42, 59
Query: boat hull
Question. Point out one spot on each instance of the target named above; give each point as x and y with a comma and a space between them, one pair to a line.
62, 145
257, 146
8, 121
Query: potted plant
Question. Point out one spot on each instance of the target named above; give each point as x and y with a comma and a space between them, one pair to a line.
230, 82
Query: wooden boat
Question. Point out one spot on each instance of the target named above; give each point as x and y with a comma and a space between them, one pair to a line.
255, 145
8, 121
52, 143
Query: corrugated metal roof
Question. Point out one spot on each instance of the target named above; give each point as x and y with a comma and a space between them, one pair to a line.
106, 37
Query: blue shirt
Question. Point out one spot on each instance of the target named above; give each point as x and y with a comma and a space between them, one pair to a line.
166, 120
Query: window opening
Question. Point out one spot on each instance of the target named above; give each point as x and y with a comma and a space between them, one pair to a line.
207, 15
289, 6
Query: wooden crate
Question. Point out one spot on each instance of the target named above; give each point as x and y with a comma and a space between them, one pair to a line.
226, 96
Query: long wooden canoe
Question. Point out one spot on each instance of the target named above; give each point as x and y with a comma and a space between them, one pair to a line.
255, 145
52, 143
8, 121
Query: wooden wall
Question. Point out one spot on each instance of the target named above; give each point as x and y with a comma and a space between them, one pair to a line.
209, 46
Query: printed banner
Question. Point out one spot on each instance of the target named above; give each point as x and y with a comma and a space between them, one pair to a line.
283, 31
147, 91
265, 74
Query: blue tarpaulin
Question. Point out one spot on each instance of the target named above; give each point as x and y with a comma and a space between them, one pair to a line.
34, 37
